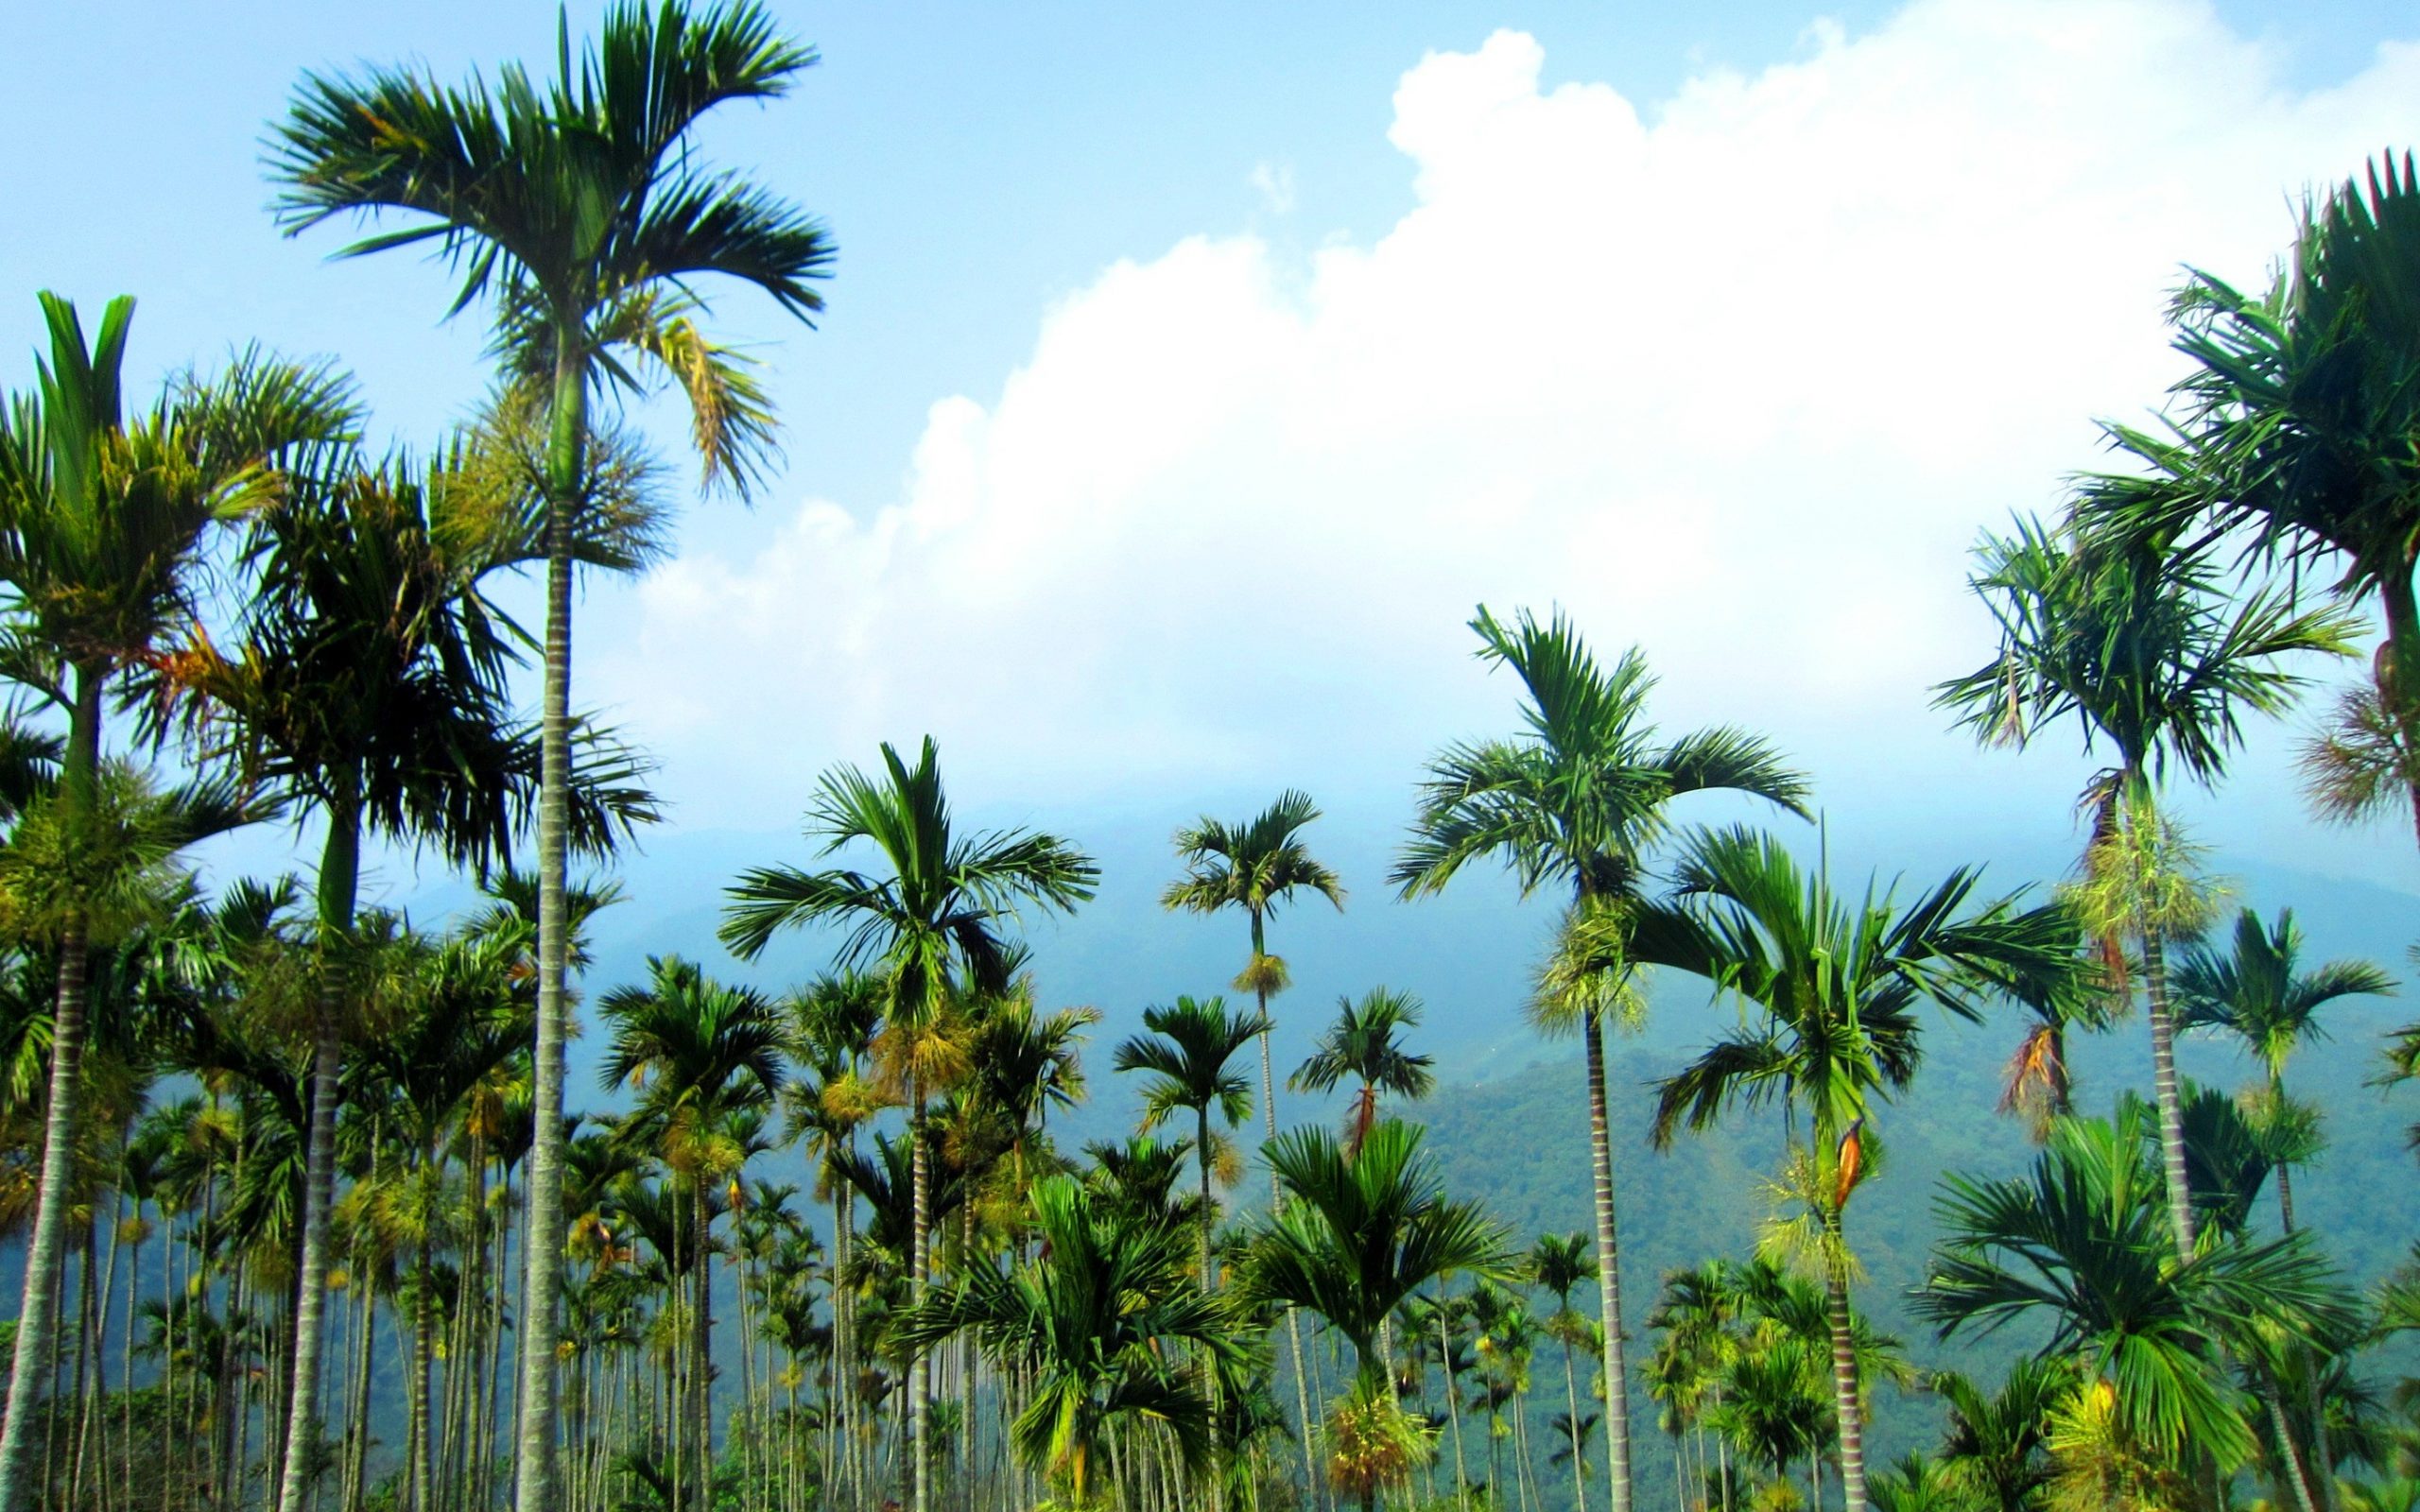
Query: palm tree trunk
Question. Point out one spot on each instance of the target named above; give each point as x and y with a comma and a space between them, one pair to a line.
1844, 1393
542, 1249
358, 1436
1277, 1199
1453, 1411
701, 1345
1571, 1401
45, 1250
2295, 1474
919, 1391
422, 1467
1609, 1278
2396, 665
339, 874
125, 1343
2163, 1088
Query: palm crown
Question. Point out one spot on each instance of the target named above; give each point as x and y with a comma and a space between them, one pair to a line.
1582, 793
576, 202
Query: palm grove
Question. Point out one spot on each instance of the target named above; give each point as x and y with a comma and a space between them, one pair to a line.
307, 1219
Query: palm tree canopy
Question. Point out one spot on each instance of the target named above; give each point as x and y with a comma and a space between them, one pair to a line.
1360, 1045
2139, 643
1577, 797
935, 910
2084, 1239
1364, 1232
1189, 1056
1255, 865
101, 513
698, 1048
372, 678
577, 202
1101, 1320
2302, 398
2255, 992
1839, 983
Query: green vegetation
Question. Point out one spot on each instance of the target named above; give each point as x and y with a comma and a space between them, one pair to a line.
307, 1218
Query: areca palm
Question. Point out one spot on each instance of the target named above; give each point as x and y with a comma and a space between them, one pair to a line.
1258, 866
1189, 1060
1097, 1320
932, 919
1361, 1046
1357, 1237
1362, 1235
369, 690
2133, 641
1838, 985
2296, 427
1575, 803
580, 208
1559, 1263
2257, 994
701, 1052
102, 512
2080, 1239
1995, 1444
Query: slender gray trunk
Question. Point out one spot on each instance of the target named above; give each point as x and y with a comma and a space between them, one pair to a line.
339, 869
2164, 1089
919, 1391
1609, 1272
1277, 1199
45, 1250
1844, 1392
542, 1247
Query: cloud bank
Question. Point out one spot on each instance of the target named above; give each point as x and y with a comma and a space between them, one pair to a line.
1737, 378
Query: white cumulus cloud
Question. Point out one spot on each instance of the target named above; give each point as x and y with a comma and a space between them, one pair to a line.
1735, 376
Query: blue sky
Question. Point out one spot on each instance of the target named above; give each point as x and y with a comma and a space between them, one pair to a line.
1189, 372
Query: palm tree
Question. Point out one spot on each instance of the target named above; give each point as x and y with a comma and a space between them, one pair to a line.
1098, 1321
701, 1053
369, 693
2081, 1238
2133, 641
1995, 1444
1360, 1045
2257, 994
1189, 1056
581, 209
1575, 803
1559, 1263
2292, 428
933, 924
1360, 1234
1838, 985
101, 516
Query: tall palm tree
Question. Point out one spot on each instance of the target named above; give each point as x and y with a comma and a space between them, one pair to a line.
1188, 1056
1361, 1046
701, 1052
2257, 994
101, 516
1559, 1263
2133, 641
1575, 803
1258, 866
1838, 985
580, 207
1099, 1321
2080, 1240
369, 693
932, 919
